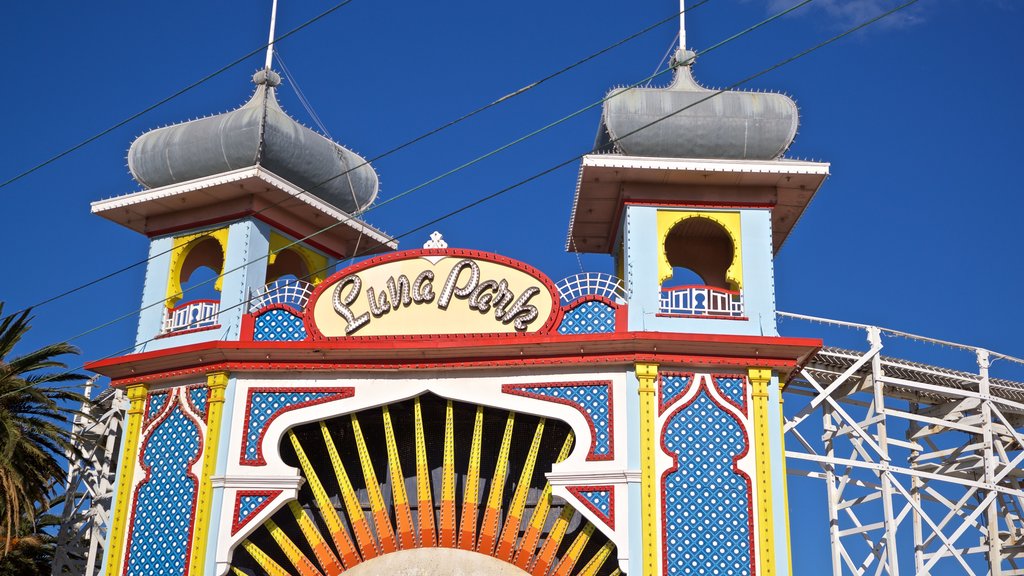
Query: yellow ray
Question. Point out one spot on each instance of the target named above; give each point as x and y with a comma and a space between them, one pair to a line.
304, 565
471, 496
385, 532
528, 545
266, 562
572, 554
403, 514
321, 549
554, 540
448, 480
356, 518
598, 560
514, 517
330, 515
492, 514
424, 499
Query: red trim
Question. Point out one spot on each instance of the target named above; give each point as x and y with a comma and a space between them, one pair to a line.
549, 324
188, 397
519, 390
622, 318
609, 518
236, 522
337, 394
189, 331
664, 403
701, 316
247, 329
238, 216
735, 469
171, 401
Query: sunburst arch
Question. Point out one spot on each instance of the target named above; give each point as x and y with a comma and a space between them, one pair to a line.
473, 480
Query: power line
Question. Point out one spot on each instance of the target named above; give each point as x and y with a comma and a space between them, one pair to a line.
152, 107
393, 150
562, 164
443, 175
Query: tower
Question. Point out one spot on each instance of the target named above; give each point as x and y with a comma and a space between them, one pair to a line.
443, 409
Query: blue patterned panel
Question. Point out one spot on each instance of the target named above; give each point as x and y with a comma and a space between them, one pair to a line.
593, 399
600, 500
278, 325
163, 509
249, 504
268, 403
588, 318
734, 388
156, 403
672, 387
707, 523
197, 395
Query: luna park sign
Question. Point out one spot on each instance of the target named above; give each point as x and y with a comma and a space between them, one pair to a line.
434, 292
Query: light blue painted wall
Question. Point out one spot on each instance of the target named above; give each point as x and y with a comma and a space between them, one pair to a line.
641, 270
217, 502
633, 463
154, 290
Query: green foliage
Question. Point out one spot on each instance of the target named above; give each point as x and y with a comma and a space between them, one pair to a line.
35, 434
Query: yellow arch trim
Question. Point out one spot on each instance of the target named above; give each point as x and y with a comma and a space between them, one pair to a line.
183, 245
730, 221
315, 263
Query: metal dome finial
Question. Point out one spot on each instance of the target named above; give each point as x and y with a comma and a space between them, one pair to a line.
270, 41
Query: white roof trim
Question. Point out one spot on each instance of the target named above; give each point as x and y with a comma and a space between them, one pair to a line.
274, 180
707, 165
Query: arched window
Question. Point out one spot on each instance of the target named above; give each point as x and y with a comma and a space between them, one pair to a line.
288, 263
702, 247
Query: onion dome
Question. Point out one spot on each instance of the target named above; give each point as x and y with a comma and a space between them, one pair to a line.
258, 133
731, 125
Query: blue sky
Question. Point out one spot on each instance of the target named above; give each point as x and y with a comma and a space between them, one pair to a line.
917, 229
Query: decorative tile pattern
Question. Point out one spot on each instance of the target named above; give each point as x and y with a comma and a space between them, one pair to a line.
156, 403
590, 317
706, 507
733, 388
599, 499
248, 503
671, 387
266, 404
197, 397
278, 325
161, 525
592, 399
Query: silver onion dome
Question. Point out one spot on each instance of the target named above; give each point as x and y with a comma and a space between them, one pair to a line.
730, 125
258, 133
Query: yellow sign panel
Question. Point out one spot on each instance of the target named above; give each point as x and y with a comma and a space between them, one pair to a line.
424, 294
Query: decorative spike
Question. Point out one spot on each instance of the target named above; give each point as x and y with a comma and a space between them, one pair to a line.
304, 565
424, 499
356, 517
324, 555
385, 533
323, 502
514, 517
471, 494
403, 514
492, 513
448, 480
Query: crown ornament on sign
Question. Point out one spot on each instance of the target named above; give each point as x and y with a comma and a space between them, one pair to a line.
436, 241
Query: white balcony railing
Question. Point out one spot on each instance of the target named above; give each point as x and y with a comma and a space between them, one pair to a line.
591, 284
294, 293
701, 301
191, 315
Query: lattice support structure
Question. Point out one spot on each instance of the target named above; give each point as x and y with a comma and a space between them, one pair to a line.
82, 538
922, 465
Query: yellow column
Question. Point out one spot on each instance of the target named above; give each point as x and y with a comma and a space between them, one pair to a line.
129, 455
785, 478
760, 378
216, 382
646, 374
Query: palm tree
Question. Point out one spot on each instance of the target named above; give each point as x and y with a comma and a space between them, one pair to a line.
35, 433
